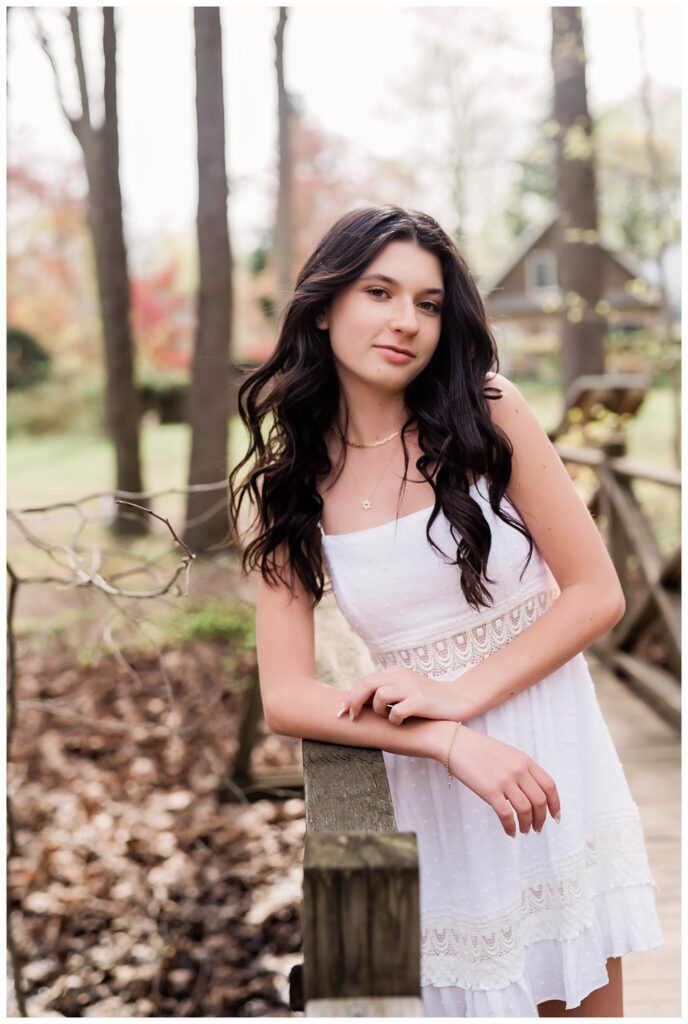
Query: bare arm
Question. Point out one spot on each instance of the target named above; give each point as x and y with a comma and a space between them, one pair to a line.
591, 599
297, 704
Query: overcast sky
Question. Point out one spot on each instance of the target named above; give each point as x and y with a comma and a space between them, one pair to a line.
344, 63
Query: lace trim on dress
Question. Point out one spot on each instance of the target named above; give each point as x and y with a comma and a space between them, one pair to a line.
459, 651
555, 903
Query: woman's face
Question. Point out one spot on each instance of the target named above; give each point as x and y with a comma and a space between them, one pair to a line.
397, 301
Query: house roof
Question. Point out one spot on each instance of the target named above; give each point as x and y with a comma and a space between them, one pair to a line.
521, 246
529, 239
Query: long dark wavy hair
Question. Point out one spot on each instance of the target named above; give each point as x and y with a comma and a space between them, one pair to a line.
296, 394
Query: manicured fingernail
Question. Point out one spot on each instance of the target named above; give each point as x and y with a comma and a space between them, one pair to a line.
557, 817
351, 714
342, 709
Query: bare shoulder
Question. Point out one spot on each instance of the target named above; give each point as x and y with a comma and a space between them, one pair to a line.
543, 493
505, 400
536, 465
510, 411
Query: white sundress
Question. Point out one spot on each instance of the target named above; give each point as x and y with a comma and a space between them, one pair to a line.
506, 923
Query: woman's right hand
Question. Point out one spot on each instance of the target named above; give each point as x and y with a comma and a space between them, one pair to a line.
504, 777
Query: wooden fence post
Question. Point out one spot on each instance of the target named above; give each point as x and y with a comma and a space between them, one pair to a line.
617, 543
361, 909
361, 924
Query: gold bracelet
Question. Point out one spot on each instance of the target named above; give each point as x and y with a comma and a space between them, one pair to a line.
449, 774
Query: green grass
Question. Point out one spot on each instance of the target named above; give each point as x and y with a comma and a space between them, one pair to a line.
650, 434
55, 468
59, 467
42, 470
217, 621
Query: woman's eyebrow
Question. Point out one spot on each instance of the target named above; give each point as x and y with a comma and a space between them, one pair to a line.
390, 280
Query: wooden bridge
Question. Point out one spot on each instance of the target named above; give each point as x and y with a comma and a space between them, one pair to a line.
650, 752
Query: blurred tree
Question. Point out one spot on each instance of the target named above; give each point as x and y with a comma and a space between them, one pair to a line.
51, 288
161, 316
27, 360
331, 176
212, 396
635, 203
532, 196
627, 195
283, 224
452, 105
100, 147
662, 236
578, 253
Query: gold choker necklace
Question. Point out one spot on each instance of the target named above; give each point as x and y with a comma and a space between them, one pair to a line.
373, 444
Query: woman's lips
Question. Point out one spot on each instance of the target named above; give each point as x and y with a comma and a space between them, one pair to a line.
393, 356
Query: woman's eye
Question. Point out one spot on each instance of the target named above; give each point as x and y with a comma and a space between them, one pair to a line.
381, 291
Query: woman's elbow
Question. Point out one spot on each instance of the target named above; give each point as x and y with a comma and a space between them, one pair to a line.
279, 720
615, 608
272, 719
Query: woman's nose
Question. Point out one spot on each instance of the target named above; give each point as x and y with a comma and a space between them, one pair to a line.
405, 316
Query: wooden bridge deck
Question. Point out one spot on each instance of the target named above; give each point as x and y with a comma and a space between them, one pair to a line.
650, 751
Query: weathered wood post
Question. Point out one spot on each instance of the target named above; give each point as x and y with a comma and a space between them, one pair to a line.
651, 583
617, 542
361, 915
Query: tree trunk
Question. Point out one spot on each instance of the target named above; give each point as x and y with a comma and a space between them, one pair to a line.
100, 147
209, 398
283, 226
122, 406
579, 258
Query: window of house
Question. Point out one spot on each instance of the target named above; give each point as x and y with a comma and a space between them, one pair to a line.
541, 271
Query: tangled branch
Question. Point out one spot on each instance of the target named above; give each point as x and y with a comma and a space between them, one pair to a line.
79, 564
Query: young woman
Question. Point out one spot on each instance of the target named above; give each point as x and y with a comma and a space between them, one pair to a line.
476, 578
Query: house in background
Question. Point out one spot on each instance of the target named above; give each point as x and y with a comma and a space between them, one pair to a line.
522, 297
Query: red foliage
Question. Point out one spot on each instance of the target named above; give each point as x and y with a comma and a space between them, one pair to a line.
162, 318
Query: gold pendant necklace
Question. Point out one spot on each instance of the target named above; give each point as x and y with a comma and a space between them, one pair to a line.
367, 503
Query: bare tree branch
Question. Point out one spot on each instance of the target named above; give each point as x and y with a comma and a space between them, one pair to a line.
83, 562
220, 485
45, 46
85, 119
138, 733
189, 556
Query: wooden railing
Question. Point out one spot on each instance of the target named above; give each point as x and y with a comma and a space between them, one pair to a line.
650, 579
361, 911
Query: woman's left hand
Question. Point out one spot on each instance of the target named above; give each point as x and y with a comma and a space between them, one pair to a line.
412, 694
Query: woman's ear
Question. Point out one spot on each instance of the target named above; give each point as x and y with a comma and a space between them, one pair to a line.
321, 322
